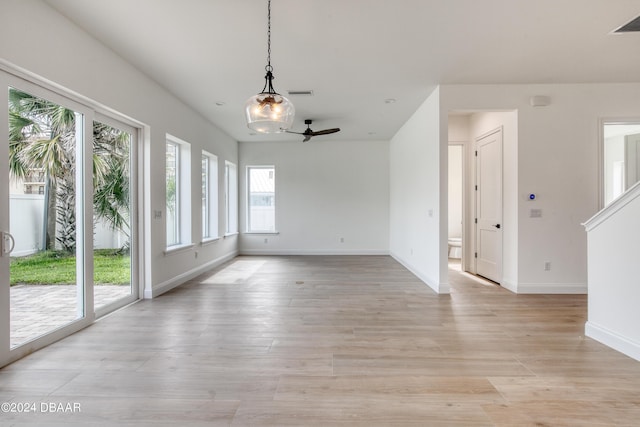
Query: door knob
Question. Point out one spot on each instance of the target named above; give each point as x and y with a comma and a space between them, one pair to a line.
496, 225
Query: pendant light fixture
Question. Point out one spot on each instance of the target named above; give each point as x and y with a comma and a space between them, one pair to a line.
268, 111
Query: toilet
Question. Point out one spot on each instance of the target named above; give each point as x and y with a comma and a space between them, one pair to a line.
455, 247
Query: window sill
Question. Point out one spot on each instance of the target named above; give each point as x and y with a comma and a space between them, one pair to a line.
262, 233
177, 249
209, 240
230, 234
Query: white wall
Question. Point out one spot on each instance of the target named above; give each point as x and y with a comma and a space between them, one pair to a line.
614, 284
418, 213
557, 159
458, 128
70, 58
325, 191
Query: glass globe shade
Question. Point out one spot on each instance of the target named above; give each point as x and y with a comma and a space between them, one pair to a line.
269, 113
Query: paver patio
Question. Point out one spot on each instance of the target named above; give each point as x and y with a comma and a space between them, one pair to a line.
38, 309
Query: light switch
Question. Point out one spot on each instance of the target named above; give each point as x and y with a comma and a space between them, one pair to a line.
535, 213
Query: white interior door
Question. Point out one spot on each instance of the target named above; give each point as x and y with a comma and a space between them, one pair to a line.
632, 160
489, 206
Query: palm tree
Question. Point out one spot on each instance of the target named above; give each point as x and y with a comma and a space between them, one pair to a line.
111, 176
42, 136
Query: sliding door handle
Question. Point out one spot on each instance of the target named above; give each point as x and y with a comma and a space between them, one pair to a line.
496, 225
7, 243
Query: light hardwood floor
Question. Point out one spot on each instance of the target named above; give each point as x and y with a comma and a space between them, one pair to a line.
349, 341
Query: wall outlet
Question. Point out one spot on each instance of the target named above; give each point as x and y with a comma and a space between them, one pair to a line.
195, 254
266, 240
342, 240
547, 266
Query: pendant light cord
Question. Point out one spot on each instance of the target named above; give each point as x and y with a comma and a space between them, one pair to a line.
268, 79
269, 68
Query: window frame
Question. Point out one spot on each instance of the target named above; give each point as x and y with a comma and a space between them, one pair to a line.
176, 201
249, 205
210, 220
183, 195
231, 198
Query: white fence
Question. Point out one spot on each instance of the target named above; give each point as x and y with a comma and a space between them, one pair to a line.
26, 212
27, 226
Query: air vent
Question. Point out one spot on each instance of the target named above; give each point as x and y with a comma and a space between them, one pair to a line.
300, 92
631, 27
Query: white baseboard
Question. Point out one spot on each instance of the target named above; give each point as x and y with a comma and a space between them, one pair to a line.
612, 339
548, 288
163, 287
441, 288
288, 252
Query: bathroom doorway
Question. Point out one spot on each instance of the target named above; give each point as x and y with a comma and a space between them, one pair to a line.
456, 205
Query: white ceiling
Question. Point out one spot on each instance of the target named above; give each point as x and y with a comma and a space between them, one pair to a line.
355, 54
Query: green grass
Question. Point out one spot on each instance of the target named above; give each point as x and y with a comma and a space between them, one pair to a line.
59, 268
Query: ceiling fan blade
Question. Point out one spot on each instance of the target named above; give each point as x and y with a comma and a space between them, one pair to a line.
297, 133
325, 131
307, 137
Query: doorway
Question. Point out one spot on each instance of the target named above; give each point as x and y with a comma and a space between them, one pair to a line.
456, 180
58, 160
620, 154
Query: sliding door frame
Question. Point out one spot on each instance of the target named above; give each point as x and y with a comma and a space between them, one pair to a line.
135, 212
11, 76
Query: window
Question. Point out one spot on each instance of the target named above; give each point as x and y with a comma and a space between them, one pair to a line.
261, 202
209, 195
231, 197
178, 194
172, 193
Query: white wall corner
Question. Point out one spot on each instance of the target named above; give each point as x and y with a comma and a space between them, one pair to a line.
437, 287
509, 285
611, 339
174, 282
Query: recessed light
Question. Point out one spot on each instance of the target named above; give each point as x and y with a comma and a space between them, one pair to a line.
389, 100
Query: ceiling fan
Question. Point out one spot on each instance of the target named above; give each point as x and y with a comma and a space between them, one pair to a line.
308, 133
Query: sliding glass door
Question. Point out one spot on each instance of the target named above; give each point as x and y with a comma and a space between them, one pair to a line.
67, 234
43, 215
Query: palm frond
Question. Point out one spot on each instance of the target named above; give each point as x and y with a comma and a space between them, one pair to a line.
47, 154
